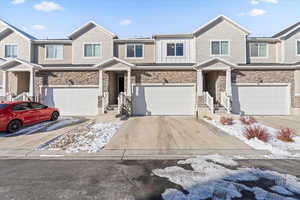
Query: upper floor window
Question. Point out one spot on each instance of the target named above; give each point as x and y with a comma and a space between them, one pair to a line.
258, 49
92, 50
220, 48
55, 52
134, 50
298, 47
11, 51
175, 49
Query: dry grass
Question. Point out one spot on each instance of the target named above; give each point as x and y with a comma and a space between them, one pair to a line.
226, 121
207, 117
248, 120
256, 132
286, 134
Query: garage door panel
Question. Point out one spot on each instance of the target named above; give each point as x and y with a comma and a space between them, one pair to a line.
261, 100
73, 101
163, 100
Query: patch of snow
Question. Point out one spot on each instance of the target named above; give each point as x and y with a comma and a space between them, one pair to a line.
281, 190
87, 137
278, 148
216, 181
99, 135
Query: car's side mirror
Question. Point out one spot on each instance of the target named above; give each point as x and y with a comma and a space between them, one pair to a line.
45, 107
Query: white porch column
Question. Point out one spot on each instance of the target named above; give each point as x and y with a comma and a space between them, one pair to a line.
4, 74
100, 83
129, 83
32, 83
228, 82
199, 82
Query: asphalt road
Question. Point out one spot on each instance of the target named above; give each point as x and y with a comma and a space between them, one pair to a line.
105, 180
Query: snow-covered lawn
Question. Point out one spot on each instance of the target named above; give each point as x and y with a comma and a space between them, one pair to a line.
278, 148
44, 126
218, 177
88, 137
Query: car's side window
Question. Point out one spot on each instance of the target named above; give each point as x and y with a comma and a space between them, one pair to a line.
21, 106
37, 106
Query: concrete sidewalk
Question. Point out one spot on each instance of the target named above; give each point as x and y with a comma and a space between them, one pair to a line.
128, 154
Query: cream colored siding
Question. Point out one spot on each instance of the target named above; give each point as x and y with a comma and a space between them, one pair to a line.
297, 82
188, 50
93, 35
41, 55
148, 53
222, 31
290, 48
271, 54
24, 45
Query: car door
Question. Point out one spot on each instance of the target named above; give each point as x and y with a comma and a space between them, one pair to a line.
42, 111
26, 113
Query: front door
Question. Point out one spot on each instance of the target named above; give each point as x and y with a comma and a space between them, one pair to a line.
121, 87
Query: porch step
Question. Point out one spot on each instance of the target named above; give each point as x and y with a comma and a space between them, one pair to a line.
220, 110
112, 107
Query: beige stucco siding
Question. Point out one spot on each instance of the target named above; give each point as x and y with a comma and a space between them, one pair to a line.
271, 54
24, 45
93, 35
297, 82
149, 53
290, 55
222, 31
40, 53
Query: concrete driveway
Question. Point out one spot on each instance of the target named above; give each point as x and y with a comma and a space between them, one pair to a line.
168, 132
281, 121
31, 137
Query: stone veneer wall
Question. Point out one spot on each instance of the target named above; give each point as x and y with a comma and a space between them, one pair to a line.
164, 76
267, 76
67, 78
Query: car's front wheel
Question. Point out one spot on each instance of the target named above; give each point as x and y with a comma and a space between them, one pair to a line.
54, 116
14, 126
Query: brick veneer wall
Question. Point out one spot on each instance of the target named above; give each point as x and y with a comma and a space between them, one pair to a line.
266, 76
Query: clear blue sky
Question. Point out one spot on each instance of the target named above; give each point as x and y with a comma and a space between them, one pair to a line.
129, 18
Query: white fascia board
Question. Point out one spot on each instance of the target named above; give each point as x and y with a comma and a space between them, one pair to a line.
225, 18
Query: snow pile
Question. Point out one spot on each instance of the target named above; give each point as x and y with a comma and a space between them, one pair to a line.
217, 177
89, 137
278, 148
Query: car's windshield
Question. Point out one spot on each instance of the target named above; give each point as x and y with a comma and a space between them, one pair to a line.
2, 106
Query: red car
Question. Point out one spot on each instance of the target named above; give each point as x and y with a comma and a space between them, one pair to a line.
15, 115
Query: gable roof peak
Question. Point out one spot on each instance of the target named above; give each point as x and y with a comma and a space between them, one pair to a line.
89, 23
222, 17
287, 30
17, 30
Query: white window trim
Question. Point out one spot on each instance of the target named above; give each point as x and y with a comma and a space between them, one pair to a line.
143, 47
258, 57
218, 55
6, 44
63, 53
298, 40
175, 56
91, 57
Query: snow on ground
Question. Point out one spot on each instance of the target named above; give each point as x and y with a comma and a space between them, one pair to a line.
88, 137
44, 126
278, 148
219, 177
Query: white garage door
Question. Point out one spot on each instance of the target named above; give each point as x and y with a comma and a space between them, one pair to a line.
73, 101
164, 100
261, 100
